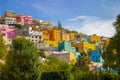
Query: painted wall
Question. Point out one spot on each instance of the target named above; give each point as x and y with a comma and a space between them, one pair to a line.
95, 56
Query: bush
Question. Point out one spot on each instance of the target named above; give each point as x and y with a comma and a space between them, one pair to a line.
56, 75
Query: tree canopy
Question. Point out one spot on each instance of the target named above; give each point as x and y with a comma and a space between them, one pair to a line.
22, 63
112, 53
53, 64
3, 48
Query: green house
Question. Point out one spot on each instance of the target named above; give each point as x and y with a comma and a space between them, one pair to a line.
66, 46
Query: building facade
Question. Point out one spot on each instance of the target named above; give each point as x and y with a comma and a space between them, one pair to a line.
66, 46
24, 19
84, 46
95, 38
10, 20
65, 36
55, 35
9, 14
8, 34
95, 56
72, 36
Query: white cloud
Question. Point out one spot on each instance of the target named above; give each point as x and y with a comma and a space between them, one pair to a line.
84, 18
79, 18
92, 25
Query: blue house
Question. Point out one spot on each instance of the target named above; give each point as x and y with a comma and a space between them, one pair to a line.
95, 56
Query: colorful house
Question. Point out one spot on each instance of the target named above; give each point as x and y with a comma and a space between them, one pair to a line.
52, 37
65, 36
99, 45
51, 43
86, 39
55, 35
95, 38
8, 33
95, 56
84, 46
45, 34
24, 19
35, 35
10, 20
66, 46
72, 36
9, 14
65, 56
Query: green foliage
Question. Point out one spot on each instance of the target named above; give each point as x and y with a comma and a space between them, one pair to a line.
23, 61
112, 53
54, 69
19, 26
117, 24
41, 52
53, 64
102, 75
84, 61
56, 75
3, 48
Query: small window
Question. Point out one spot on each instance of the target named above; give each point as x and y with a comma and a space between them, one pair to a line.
35, 36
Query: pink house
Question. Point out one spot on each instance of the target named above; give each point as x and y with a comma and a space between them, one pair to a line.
24, 19
9, 33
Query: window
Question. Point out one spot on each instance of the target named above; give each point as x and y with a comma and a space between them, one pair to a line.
40, 37
35, 36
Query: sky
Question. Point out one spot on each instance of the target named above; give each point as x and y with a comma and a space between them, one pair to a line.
85, 16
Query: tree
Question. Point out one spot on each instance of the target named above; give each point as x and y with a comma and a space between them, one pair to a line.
59, 25
19, 26
112, 53
3, 48
54, 69
23, 61
41, 52
53, 64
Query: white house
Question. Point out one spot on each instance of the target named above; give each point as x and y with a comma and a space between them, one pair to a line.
10, 20
35, 35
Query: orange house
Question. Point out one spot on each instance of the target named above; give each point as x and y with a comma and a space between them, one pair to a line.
55, 35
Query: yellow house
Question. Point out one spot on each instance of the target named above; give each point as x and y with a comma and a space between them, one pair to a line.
65, 36
72, 36
84, 46
48, 42
95, 38
51, 43
45, 34
74, 44
72, 58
